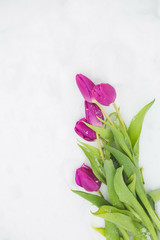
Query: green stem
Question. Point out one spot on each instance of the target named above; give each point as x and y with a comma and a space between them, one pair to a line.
105, 114
100, 148
111, 231
148, 207
119, 115
124, 234
100, 194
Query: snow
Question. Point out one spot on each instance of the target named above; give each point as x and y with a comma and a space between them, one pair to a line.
43, 45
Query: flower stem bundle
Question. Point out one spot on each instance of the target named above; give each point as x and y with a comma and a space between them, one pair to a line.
130, 212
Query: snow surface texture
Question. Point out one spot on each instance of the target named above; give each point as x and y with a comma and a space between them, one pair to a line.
43, 44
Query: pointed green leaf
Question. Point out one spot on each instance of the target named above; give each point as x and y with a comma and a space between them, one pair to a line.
119, 126
120, 139
126, 223
115, 119
93, 155
110, 172
135, 127
128, 198
126, 138
110, 209
129, 167
94, 199
152, 203
108, 227
105, 133
155, 195
111, 231
124, 234
136, 151
100, 230
132, 184
134, 213
120, 220
106, 153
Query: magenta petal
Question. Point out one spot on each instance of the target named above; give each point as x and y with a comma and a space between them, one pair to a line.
78, 179
83, 131
104, 93
85, 86
92, 112
85, 178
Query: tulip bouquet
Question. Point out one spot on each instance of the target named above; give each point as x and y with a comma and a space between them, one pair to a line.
130, 211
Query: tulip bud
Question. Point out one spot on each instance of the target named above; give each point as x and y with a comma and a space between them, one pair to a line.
92, 112
85, 178
83, 131
85, 86
104, 93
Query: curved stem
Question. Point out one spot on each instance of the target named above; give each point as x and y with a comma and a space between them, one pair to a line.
105, 114
100, 194
119, 115
100, 148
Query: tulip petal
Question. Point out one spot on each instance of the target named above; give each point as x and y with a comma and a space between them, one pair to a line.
85, 178
84, 131
92, 112
85, 86
104, 93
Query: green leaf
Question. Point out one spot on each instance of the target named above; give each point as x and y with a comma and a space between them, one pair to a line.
120, 139
93, 155
118, 219
105, 133
110, 209
111, 231
155, 195
149, 207
124, 222
100, 230
110, 172
143, 234
129, 167
152, 203
132, 184
115, 119
94, 199
106, 153
135, 127
136, 151
119, 126
113, 116
124, 234
128, 198
126, 138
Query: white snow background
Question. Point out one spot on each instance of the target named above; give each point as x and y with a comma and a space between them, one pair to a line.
43, 45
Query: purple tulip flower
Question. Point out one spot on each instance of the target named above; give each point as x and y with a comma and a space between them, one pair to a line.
85, 178
83, 131
85, 86
104, 93
92, 112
